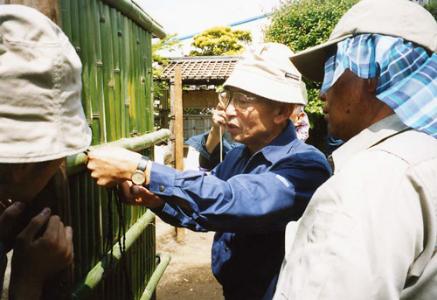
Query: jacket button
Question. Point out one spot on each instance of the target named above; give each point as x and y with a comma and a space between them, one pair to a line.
161, 188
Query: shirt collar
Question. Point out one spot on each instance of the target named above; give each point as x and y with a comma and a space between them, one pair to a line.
281, 144
367, 138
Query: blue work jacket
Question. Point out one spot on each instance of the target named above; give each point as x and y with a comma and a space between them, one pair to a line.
248, 201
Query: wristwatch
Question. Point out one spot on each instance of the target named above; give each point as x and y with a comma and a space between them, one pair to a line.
139, 176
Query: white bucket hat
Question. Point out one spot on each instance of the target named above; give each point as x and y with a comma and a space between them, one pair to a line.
400, 18
41, 115
265, 70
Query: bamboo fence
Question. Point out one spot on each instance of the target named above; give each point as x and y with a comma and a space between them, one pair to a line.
113, 40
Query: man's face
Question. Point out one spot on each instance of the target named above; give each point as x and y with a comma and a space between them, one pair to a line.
345, 106
249, 119
25, 181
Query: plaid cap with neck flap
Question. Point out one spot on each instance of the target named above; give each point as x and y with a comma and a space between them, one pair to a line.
407, 75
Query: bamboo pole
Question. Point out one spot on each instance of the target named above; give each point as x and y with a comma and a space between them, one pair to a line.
164, 260
96, 274
131, 9
178, 133
76, 162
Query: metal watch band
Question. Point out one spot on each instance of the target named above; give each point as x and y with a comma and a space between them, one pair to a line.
142, 164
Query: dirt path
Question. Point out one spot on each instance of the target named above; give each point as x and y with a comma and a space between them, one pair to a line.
188, 275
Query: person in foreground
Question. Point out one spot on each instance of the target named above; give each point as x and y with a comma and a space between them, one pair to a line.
250, 197
41, 122
370, 231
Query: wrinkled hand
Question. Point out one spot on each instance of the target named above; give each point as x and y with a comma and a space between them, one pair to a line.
37, 257
112, 165
219, 115
11, 223
139, 195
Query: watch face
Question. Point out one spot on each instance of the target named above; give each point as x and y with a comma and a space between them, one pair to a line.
138, 177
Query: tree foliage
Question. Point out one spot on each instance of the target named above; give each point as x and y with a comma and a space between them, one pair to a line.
432, 8
300, 24
220, 41
168, 43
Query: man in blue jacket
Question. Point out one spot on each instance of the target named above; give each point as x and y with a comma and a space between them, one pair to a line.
248, 198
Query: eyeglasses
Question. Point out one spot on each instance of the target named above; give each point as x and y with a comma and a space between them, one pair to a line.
238, 99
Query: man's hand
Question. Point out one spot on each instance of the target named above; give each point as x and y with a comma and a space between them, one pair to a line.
219, 115
112, 165
139, 195
218, 121
39, 253
11, 223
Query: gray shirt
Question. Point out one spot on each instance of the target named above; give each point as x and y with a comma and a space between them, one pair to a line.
370, 231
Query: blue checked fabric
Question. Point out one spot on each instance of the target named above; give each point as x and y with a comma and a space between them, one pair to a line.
407, 75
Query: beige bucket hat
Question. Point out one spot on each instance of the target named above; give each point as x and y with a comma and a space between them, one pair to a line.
41, 115
265, 70
400, 18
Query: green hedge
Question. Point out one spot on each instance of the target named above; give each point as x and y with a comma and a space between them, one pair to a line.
305, 23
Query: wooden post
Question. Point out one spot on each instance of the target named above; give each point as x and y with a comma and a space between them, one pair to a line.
178, 133
48, 7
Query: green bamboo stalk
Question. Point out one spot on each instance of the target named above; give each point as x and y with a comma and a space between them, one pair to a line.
97, 64
95, 275
128, 8
164, 260
140, 83
77, 161
147, 58
131, 81
91, 45
81, 27
147, 91
65, 17
135, 107
108, 78
118, 101
125, 72
121, 40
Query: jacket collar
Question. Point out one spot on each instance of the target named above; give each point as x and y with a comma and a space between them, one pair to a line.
280, 145
367, 138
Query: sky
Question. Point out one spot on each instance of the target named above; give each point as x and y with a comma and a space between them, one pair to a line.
185, 17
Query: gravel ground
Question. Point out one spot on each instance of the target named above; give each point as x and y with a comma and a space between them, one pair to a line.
188, 275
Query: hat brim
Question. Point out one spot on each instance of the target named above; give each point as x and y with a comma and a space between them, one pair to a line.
311, 62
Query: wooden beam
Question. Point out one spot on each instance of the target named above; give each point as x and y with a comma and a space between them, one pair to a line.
178, 133
48, 7
179, 120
